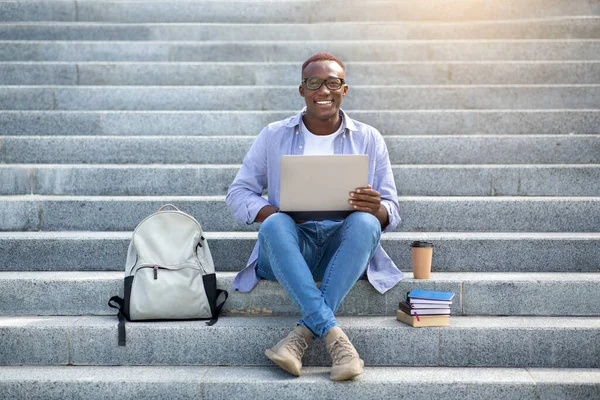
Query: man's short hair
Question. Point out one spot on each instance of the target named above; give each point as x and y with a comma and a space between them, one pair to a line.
322, 57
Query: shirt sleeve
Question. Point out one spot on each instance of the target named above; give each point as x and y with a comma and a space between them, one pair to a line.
385, 184
244, 196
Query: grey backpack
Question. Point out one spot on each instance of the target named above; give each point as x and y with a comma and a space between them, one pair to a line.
169, 273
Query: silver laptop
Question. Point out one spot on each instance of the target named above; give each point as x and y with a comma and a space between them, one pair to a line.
318, 187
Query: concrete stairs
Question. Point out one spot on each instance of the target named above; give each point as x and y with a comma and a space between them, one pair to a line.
490, 110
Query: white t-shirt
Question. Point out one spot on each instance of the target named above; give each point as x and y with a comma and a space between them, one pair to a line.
319, 144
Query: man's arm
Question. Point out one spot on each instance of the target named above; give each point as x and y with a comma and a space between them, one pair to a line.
244, 196
381, 199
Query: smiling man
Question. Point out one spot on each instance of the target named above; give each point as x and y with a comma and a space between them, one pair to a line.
297, 254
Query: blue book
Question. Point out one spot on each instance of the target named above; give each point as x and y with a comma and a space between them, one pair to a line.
430, 295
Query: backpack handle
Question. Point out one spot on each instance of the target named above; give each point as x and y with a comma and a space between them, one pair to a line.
168, 205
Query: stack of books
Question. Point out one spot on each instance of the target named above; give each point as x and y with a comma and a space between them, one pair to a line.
425, 308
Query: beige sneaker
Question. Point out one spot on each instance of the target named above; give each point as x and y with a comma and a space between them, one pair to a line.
288, 353
345, 362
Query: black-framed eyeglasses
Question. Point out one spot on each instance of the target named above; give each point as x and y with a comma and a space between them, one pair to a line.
332, 83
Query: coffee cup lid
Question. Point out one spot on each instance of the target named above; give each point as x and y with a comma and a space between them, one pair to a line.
419, 243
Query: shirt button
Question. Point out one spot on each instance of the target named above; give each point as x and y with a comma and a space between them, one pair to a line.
300, 146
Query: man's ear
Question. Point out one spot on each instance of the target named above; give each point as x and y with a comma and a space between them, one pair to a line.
345, 90
301, 90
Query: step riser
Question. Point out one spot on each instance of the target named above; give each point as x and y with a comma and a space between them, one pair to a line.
208, 383
287, 98
567, 149
193, 181
280, 12
57, 294
85, 253
269, 74
445, 122
196, 344
299, 51
571, 28
419, 214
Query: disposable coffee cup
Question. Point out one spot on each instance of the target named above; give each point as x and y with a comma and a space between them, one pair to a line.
422, 253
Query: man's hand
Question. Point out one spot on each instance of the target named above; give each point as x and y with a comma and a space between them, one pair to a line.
368, 200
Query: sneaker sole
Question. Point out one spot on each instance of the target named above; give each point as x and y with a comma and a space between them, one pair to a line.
283, 363
348, 374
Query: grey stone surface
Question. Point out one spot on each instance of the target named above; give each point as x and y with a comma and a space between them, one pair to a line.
358, 73
184, 180
510, 341
56, 382
380, 382
540, 294
18, 215
15, 180
532, 294
500, 214
37, 11
420, 150
35, 340
388, 122
58, 293
94, 341
190, 180
573, 384
278, 98
293, 11
469, 341
20, 98
420, 214
468, 252
575, 27
101, 382
298, 51
36, 74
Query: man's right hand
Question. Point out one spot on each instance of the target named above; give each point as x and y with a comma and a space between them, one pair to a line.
265, 212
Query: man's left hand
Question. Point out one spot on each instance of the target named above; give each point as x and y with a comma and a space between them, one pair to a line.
365, 199
368, 200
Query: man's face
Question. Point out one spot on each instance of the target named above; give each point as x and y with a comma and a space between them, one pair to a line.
323, 104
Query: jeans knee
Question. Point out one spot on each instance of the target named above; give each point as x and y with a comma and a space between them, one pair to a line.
275, 226
365, 223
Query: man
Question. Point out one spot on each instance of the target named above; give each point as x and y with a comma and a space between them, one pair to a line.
298, 253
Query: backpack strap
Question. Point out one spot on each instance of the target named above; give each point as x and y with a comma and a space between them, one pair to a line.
218, 307
120, 304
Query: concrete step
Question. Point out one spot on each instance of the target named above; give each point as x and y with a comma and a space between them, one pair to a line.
287, 11
418, 149
300, 50
396, 122
212, 179
549, 342
454, 251
271, 383
576, 27
477, 293
360, 73
369, 97
421, 214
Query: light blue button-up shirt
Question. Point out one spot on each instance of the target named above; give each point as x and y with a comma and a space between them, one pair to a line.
260, 170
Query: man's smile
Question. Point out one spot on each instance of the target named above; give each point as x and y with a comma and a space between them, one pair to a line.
324, 102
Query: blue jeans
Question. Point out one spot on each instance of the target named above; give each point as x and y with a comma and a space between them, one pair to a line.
333, 252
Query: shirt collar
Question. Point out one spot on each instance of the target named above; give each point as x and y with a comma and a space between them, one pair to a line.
295, 120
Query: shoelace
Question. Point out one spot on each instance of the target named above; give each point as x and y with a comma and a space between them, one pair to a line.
297, 345
341, 349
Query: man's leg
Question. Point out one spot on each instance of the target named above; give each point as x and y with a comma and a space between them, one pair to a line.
346, 256
282, 252
283, 256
